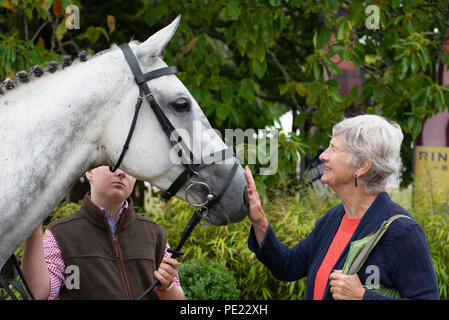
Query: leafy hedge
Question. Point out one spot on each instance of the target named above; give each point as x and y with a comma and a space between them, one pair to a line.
207, 280
432, 213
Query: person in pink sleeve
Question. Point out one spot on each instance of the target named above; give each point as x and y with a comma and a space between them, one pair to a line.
117, 254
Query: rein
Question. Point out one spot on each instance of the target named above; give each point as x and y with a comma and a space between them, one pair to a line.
197, 216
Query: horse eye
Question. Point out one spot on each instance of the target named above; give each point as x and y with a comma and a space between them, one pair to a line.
181, 104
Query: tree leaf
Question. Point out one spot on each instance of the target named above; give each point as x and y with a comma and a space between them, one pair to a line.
333, 50
419, 98
334, 4
300, 89
191, 44
226, 93
259, 68
354, 92
61, 30
317, 71
260, 51
440, 101
404, 68
9, 5
93, 34
341, 31
334, 95
57, 7
333, 83
110, 20
222, 111
414, 63
285, 87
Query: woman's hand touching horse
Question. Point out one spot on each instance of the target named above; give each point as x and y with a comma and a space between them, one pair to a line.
256, 214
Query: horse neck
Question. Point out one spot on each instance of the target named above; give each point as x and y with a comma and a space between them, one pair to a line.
49, 136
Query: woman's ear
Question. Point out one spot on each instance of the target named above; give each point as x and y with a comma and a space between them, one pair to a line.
364, 167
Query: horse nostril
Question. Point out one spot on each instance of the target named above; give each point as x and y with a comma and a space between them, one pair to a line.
245, 196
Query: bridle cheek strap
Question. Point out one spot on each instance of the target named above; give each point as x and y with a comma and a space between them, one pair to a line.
141, 79
130, 133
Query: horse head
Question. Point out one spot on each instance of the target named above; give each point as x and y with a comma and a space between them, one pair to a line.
155, 156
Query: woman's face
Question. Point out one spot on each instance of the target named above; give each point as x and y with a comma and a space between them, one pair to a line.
337, 172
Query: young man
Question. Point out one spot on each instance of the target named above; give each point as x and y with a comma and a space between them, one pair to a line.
114, 252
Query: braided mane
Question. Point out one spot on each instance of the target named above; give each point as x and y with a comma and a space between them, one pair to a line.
37, 71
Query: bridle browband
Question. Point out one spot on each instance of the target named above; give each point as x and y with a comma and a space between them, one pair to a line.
191, 169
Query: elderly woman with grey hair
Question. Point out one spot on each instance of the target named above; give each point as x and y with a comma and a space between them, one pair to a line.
367, 247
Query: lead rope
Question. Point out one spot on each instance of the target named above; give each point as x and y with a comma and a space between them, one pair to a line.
196, 218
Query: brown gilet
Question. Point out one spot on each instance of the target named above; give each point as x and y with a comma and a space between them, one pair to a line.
119, 266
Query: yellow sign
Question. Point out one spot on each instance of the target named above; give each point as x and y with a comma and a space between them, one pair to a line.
432, 164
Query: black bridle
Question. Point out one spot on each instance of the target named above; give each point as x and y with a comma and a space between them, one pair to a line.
191, 170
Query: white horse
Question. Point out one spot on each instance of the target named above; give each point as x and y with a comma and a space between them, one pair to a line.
55, 128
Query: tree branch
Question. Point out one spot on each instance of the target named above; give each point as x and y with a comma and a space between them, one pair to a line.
25, 24
431, 9
73, 44
366, 69
39, 31
293, 44
296, 106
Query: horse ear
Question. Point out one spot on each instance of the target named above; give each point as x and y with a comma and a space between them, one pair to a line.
155, 45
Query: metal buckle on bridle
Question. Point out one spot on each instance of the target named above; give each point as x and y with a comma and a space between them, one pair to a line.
194, 180
197, 183
205, 219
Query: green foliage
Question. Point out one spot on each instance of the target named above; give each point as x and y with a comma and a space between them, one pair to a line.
64, 209
431, 210
35, 32
17, 54
276, 167
207, 280
248, 62
436, 227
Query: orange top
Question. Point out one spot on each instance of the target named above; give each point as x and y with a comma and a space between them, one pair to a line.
341, 239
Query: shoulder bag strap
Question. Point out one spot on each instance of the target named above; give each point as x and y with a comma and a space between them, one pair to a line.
363, 255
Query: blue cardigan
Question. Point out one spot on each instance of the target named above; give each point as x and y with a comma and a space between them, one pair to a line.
402, 255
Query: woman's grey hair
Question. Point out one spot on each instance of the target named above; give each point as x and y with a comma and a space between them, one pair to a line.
371, 137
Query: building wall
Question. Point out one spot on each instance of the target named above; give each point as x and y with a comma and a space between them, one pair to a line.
436, 129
